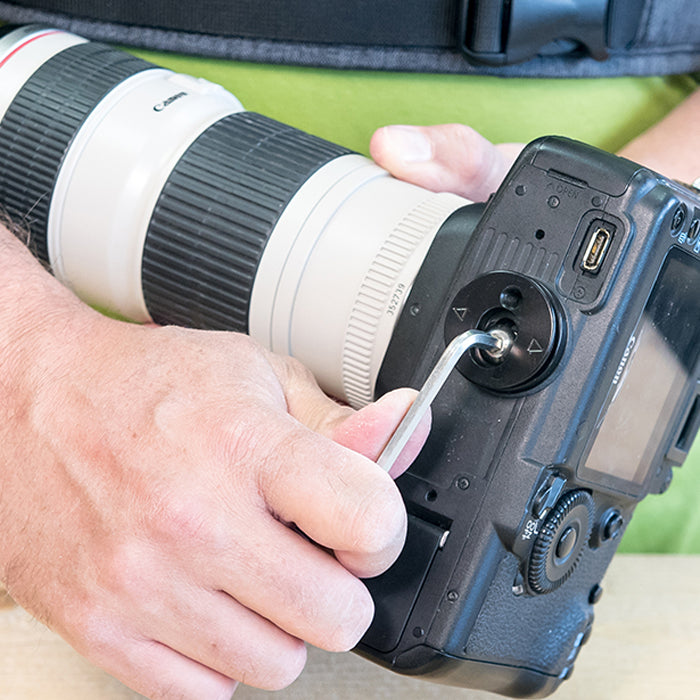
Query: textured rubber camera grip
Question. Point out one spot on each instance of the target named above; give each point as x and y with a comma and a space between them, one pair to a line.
215, 214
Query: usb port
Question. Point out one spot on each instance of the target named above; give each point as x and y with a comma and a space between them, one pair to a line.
596, 249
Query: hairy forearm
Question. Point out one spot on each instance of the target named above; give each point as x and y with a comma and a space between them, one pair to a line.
38, 321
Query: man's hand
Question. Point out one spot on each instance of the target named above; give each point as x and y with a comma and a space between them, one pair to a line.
445, 158
149, 481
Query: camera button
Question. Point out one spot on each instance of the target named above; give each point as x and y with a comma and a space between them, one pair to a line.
566, 544
595, 594
612, 525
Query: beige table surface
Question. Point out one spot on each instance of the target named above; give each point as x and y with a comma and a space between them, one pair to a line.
645, 645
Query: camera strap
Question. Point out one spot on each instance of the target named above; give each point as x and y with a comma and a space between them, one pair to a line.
519, 38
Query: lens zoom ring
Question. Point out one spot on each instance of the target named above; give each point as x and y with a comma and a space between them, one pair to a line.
215, 214
41, 122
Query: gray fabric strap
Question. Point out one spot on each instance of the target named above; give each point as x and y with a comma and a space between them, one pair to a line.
666, 41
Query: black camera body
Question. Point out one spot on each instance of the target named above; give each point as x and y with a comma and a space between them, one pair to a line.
535, 464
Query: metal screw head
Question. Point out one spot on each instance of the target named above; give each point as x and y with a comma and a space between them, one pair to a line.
510, 298
462, 483
505, 343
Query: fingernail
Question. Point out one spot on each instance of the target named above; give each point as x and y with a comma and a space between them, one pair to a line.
410, 143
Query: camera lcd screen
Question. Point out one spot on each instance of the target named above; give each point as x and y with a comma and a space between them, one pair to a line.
652, 375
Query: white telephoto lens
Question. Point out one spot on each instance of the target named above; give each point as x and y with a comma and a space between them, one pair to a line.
157, 197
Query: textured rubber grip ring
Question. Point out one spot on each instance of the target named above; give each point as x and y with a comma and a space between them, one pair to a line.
41, 122
215, 215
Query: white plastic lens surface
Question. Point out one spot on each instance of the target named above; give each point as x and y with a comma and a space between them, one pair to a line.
112, 176
337, 270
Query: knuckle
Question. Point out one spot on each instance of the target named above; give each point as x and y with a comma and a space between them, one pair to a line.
379, 520
282, 460
258, 451
331, 610
244, 438
123, 570
279, 673
180, 519
92, 634
471, 146
291, 369
300, 372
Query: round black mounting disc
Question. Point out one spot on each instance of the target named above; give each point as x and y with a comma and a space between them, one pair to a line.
526, 311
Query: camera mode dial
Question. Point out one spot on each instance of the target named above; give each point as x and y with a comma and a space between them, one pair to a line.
520, 309
561, 541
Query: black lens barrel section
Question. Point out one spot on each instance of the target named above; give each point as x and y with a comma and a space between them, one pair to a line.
40, 124
215, 215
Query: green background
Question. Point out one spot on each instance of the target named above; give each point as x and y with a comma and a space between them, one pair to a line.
347, 106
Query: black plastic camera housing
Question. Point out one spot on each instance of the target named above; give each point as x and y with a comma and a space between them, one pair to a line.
535, 463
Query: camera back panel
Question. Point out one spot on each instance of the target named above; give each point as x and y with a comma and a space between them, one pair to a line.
535, 463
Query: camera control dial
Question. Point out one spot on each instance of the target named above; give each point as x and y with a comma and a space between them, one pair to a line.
561, 541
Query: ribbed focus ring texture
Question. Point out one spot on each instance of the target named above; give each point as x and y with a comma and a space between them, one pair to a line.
215, 214
41, 122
